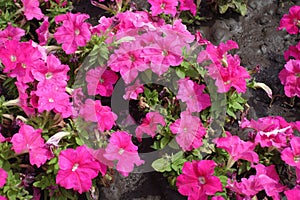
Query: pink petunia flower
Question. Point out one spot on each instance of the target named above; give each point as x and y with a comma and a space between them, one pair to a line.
188, 137
225, 68
291, 155
132, 91
293, 194
231, 76
289, 77
150, 125
53, 97
32, 9
269, 131
29, 140
188, 5
237, 148
52, 72
73, 32
178, 30
128, 61
11, 33
98, 154
77, 168
43, 32
101, 83
197, 180
2, 139
121, 148
291, 22
293, 51
163, 52
3, 177
163, 6
192, 94
269, 180
14, 56
266, 178
93, 111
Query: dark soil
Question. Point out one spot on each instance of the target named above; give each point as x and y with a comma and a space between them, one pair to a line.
261, 45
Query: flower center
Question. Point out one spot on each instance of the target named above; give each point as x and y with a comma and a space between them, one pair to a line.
75, 167
51, 100
132, 58
77, 32
164, 53
121, 151
297, 158
13, 58
162, 6
201, 180
48, 75
224, 61
23, 66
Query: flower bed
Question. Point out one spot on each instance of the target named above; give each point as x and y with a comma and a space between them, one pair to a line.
87, 97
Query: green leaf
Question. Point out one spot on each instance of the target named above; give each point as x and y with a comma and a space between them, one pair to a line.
161, 165
180, 73
231, 113
237, 106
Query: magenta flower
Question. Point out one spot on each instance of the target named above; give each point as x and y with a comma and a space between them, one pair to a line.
3, 177
163, 6
237, 148
188, 5
188, 137
3, 198
121, 148
52, 72
266, 178
293, 51
132, 91
53, 97
192, 94
128, 61
77, 168
289, 77
29, 140
163, 52
225, 69
103, 162
293, 194
197, 180
230, 76
269, 131
217, 54
73, 32
269, 180
290, 22
178, 30
43, 32
291, 155
14, 56
150, 125
93, 111
32, 9
99, 82
2, 139
11, 33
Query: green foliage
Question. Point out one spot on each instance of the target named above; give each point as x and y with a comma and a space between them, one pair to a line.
8, 11
13, 188
168, 163
235, 103
239, 6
